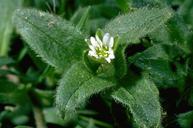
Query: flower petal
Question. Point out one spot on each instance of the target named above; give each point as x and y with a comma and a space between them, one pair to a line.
102, 49
111, 42
92, 53
92, 48
108, 60
111, 54
93, 41
106, 38
98, 40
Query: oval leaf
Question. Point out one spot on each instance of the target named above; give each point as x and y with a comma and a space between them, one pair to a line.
137, 24
76, 86
142, 100
57, 41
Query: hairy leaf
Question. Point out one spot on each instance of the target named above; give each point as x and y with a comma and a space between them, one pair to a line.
57, 41
76, 86
137, 24
141, 99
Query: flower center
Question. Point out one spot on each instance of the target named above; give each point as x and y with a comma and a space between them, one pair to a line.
102, 52
101, 49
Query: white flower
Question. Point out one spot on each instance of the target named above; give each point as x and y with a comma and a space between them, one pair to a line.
102, 49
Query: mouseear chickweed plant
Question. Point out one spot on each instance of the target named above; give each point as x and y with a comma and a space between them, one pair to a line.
93, 65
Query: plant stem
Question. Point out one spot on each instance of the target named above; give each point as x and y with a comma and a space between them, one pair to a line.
39, 118
4, 41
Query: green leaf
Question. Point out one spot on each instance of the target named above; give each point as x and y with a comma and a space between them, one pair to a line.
186, 11
57, 41
81, 20
7, 7
7, 90
98, 16
124, 5
158, 61
175, 31
52, 117
16, 100
120, 62
90, 64
5, 61
186, 119
89, 2
94, 24
4, 72
142, 100
149, 3
75, 18
137, 24
11, 94
100, 10
76, 86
